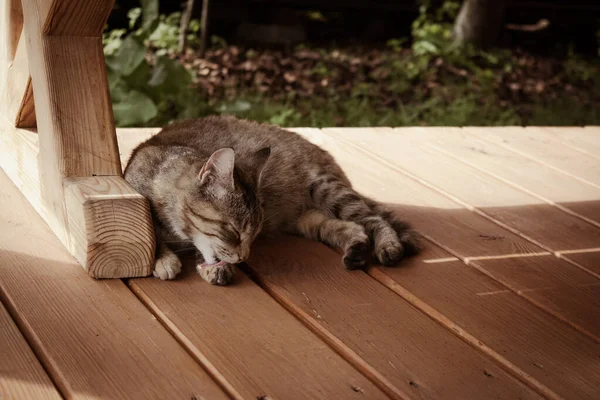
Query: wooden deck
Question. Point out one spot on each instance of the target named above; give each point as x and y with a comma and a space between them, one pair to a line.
503, 303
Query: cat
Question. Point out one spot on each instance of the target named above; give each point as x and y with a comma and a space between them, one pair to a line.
218, 182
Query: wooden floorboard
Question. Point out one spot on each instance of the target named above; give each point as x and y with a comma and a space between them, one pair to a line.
487, 311
251, 344
362, 318
505, 204
547, 184
21, 374
536, 144
449, 224
585, 140
95, 339
549, 355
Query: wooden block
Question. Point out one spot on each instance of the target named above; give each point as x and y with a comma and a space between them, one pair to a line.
22, 377
94, 337
110, 227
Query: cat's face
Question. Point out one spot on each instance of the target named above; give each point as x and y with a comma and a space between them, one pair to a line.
225, 215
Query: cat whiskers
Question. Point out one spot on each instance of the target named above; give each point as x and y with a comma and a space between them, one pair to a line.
184, 249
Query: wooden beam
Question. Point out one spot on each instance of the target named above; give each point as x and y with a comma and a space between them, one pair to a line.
70, 170
16, 93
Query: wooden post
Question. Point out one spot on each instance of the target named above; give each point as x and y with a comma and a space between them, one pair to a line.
70, 171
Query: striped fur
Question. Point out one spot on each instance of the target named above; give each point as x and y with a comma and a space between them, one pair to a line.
215, 184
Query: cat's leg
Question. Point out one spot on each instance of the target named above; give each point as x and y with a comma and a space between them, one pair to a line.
167, 264
335, 197
408, 237
347, 235
215, 273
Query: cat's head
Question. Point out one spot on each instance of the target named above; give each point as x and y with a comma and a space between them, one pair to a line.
224, 212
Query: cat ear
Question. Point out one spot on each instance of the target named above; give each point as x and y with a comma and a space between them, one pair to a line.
219, 169
259, 161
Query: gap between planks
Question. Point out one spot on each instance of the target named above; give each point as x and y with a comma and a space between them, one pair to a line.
471, 262
441, 319
463, 203
333, 341
515, 185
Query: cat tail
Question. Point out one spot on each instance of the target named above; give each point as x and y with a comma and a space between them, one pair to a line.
409, 238
392, 237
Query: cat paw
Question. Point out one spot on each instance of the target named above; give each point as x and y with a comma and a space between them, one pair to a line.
389, 252
167, 267
356, 256
216, 274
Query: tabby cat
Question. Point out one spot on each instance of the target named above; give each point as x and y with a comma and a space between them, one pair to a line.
218, 182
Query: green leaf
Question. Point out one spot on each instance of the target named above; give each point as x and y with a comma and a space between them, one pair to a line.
169, 76
117, 86
149, 15
134, 110
129, 56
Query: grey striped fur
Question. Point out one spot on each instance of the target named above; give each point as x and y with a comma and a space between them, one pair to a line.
217, 183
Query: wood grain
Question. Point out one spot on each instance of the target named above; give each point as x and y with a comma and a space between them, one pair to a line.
248, 342
506, 205
95, 338
19, 151
72, 104
360, 317
22, 375
545, 183
417, 203
535, 144
111, 229
551, 356
16, 93
586, 139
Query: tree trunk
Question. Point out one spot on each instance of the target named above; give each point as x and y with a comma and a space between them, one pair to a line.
203, 27
479, 22
186, 16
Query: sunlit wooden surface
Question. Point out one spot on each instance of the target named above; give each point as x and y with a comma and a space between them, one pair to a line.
503, 303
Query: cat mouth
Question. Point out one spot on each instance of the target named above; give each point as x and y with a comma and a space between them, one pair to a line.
219, 263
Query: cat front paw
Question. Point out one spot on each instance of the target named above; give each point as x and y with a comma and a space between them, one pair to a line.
167, 267
216, 274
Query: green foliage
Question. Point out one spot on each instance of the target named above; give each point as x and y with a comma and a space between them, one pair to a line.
427, 81
144, 92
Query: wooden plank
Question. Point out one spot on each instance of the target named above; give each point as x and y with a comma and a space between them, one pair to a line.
16, 95
129, 138
22, 375
254, 347
585, 140
506, 205
547, 184
560, 359
95, 339
479, 238
411, 352
537, 145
